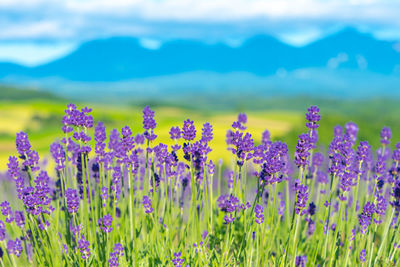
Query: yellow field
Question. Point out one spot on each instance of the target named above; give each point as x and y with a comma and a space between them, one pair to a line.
42, 121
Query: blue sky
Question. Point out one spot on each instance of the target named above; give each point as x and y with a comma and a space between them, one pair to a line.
36, 31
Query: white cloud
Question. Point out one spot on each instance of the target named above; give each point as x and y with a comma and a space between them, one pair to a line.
150, 43
31, 54
294, 21
33, 30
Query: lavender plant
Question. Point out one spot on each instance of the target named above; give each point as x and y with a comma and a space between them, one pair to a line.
125, 199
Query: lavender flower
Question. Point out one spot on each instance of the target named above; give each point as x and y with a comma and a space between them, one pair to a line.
147, 204
239, 124
57, 151
14, 247
363, 255
211, 167
2, 231
117, 252
175, 133
13, 167
149, 124
363, 151
72, 200
100, 136
207, 132
105, 223
20, 218
265, 138
337, 131
188, 130
302, 197
313, 117
311, 227
84, 247
259, 214
228, 203
6, 211
75, 230
22, 143
386, 135
366, 216
396, 195
396, 154
302, 150
351, 131
104, 195
178, 260
229, 218
311, 209
148, 119
301, 261
381, 205
243, 146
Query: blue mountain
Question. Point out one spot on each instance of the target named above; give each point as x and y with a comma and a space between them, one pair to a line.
123, 58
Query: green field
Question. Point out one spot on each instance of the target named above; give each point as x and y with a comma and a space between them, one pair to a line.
41, 119
40, 115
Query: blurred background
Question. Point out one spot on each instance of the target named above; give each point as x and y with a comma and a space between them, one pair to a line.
204, 60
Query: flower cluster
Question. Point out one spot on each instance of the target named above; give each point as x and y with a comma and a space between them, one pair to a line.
118, 251
259, 214
121, 198
302, 197
147, 204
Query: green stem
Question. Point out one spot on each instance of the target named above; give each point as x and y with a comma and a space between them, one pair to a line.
384, 237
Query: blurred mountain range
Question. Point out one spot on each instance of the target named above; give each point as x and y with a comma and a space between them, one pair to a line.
345, 61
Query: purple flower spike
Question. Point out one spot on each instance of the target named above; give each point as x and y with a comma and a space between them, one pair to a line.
363, 255
149, 124
242, 118
6, 211
229, 218
301, 261
118, 251
386, 135
13, 167
84, 247
352, 131
302, 197
148, 119
337, 131
363, 151
313, 117
365, 217
20, 218
175, 133
106, 223
72, 200
147, 205
100, 136
207, 132
228, 203
14, 247
22, 143
188, 130
57, 151
2, 230
178, 260
259, 214
302, 150
266, 138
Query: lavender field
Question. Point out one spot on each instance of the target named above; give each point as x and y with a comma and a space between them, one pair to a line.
123, 197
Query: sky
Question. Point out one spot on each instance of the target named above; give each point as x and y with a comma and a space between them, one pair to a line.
37, 31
